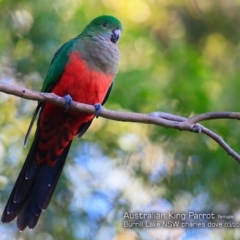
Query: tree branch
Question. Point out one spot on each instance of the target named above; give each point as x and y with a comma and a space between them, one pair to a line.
166, 120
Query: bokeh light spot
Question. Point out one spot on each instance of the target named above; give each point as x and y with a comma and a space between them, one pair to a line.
138, 11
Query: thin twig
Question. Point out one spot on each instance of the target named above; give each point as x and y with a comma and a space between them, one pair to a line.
212, 116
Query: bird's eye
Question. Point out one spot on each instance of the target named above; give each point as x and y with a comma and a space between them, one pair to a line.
105, 25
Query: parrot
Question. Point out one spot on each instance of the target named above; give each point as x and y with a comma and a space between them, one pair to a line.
83, 69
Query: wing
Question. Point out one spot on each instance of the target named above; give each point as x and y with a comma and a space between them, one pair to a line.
54, 73
57, 65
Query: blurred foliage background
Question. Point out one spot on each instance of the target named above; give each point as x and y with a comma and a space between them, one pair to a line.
177, 56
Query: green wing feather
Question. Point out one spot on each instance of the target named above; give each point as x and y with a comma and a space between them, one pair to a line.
57, 65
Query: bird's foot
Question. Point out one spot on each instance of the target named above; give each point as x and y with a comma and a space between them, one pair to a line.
68, 100
98, 107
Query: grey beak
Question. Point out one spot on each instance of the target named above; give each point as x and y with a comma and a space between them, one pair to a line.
116, 33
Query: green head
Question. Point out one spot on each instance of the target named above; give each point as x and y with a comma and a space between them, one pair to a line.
107, 26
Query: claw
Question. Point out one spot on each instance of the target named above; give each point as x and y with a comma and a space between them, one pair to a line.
98, 107
68, 100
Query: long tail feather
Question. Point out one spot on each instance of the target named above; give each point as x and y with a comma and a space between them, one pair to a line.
39, 106
33, 189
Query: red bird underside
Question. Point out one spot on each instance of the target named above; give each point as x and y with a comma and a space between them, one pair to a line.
57, 128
